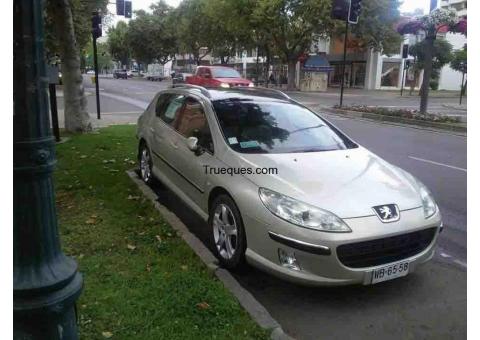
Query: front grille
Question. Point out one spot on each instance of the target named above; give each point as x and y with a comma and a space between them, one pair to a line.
385, 250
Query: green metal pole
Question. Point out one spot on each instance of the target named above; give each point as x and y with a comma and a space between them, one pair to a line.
344, 61
46, 283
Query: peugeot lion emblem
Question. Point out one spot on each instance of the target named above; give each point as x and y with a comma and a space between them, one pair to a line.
387, 212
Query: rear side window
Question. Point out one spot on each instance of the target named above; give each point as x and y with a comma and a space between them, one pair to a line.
192, 122
171, 108
162, 101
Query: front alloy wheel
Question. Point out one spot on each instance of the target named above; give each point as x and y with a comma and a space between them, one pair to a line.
145, 164
228, 232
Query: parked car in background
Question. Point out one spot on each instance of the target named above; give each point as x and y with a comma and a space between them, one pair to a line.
120, 74
180, 78
285, 190
136, 73
90, 72
154, 77
217, 76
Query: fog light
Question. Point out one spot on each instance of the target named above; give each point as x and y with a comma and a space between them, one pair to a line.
287, 259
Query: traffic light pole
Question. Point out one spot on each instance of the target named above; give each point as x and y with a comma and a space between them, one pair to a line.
344, 61
462, 88
46, 283
403, 78
95, 65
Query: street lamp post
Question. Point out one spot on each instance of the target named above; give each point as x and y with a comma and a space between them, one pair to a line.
46, 283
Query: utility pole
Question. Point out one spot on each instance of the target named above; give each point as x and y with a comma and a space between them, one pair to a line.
96, 32
349, 11
462, 87
344, 62
46, 283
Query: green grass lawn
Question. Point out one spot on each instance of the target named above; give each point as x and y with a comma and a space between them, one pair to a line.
141, 280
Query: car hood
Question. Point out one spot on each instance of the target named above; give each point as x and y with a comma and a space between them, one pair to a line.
234, 80
346, 182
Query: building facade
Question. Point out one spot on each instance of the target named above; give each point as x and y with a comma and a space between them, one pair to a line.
449, 78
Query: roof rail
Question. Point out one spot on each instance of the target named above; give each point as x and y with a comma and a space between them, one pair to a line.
201, 88
266, 89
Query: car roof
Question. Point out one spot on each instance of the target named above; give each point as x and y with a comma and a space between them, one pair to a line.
242, 93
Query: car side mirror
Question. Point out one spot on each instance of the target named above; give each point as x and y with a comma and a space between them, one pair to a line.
192, 144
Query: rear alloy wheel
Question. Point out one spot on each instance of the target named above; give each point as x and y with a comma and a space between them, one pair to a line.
145, 164
228, 232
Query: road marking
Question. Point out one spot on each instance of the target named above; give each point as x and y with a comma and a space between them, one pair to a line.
450, 258
460, 263
119, 113
139, 103
437, 163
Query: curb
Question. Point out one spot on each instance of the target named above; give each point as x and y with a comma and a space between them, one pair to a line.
419, 124
454, 107
256, 310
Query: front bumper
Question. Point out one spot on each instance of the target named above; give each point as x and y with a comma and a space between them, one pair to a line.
316, 252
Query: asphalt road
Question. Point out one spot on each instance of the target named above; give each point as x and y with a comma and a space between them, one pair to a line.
428, 304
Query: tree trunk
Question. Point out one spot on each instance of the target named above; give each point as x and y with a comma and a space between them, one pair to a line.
292, 64
427, 73
77, 118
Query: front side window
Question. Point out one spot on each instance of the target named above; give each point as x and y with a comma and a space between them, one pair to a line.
172, 108
275, 127
192, 122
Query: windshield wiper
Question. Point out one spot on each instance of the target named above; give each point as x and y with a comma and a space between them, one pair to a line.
308, 128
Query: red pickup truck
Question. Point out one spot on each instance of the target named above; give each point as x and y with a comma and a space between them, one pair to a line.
217, 76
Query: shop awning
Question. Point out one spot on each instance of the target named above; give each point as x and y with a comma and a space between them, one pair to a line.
317, 63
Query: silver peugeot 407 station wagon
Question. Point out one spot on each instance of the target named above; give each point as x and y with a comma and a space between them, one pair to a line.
332, 212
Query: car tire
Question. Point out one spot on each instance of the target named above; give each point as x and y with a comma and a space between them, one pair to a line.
145, 164
228, 232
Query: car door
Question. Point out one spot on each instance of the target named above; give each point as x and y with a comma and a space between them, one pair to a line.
165, 138
207, 78
192, 122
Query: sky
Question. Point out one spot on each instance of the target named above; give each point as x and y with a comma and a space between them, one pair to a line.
407, 6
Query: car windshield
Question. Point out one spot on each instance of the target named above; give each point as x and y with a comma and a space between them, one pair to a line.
225, 73
276, 127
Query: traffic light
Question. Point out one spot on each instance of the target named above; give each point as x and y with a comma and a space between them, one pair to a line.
405, 51
340, 9
354, 11
128, 9
96, 25
120, 7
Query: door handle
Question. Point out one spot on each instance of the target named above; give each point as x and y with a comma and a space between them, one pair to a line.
174, 145
151, 129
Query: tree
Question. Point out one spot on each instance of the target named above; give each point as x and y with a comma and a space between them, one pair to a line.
375, 26
194, 28
459, 63
291, 25
438, 20
139, 37
117, 43
104, 57
68, 28
441, 55
232, 35
152, 36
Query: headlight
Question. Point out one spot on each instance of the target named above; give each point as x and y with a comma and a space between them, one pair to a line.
224, 85
429, 205
300, 213
251, 85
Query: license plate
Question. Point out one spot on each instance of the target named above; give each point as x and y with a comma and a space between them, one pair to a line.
390, 272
